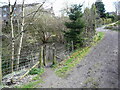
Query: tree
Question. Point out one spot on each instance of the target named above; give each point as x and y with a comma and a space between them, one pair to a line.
12, 31
117, 8
13, 38
100, 8
90, 24
45, 29
22, 33
23, 25
75, 26
112, 17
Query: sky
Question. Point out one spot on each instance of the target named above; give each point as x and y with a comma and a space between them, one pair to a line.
60, 4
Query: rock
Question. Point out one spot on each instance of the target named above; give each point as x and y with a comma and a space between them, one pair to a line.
10, 82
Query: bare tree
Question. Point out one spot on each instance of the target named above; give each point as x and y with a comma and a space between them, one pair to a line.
23, 28
46, 29
22, 33
117, 7
12, 31
90, 21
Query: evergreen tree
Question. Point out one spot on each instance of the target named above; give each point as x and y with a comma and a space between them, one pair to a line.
75, 26
100, 8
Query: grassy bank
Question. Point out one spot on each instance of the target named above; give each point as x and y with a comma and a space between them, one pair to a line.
63, 68
114, 27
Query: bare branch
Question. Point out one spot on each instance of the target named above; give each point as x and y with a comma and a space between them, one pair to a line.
38, 9
14, 6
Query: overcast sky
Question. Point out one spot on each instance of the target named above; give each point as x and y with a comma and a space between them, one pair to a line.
60, 4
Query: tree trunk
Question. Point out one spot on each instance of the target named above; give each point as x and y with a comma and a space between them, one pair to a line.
18, 22
21, 38
13, 44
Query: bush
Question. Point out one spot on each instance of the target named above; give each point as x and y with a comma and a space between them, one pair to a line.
98, 36
118, 23
107, 21
36, 71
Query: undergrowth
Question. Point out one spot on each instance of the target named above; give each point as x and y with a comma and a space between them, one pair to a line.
36, 71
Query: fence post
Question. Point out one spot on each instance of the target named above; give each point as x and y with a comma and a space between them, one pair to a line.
0, 70
0, 50
72, 46
41, 57
68, 47
44, 55
54, 56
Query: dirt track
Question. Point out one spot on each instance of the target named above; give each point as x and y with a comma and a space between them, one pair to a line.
99, 69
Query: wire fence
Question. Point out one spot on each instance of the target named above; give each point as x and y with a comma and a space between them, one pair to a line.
30, 57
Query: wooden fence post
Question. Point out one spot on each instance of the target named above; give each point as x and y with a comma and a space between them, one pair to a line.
72, 46
44, 55
0, 69
0, 51
41, 57
54, 56
68, 47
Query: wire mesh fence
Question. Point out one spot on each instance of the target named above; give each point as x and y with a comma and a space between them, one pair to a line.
31, 57
25, 62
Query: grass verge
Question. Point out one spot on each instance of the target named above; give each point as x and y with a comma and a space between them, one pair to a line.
114, 27
63, 68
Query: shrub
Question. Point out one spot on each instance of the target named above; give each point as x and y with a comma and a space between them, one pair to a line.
35, 71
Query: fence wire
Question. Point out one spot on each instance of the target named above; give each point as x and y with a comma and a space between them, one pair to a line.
29, 58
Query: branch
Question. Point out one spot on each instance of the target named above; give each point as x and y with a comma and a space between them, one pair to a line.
23, 4
30, 13
29, 71
11, 12
38, 9
14, 6
9, 2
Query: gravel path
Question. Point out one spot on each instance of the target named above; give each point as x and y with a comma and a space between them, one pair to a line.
99, 69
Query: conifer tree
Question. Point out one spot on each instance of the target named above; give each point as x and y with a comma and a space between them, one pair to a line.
100, 8
75, 26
